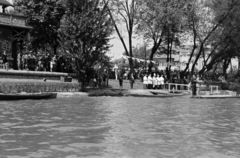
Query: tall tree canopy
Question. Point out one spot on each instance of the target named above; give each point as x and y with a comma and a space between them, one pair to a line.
44, 16
84, 35
205, 22
160, 23
123, 14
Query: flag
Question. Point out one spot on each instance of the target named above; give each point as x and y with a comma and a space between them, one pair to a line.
124, 57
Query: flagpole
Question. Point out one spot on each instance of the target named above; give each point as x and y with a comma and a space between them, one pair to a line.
145, 57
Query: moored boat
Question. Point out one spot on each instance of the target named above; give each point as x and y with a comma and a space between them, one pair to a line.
166, 94
214, 96
24, 96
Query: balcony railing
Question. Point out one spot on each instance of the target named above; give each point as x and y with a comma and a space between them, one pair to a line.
13, 20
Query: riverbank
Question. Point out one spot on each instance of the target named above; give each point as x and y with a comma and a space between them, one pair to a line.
71, 89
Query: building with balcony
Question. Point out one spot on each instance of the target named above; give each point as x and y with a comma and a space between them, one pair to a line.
13, 32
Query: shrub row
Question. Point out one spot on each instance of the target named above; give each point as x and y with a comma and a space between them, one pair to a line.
33, 87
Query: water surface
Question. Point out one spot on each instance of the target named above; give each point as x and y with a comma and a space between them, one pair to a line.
127, 127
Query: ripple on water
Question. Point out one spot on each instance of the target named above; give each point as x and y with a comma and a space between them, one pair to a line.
120, 127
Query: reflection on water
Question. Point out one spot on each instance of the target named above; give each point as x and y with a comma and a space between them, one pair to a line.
120, 127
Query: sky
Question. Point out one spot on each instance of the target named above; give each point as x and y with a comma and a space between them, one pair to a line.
117, 48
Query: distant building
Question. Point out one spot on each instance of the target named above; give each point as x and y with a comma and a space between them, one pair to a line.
180, 57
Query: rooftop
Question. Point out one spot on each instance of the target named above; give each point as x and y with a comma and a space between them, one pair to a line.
6, 3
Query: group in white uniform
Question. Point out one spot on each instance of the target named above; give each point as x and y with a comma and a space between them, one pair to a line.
153, 82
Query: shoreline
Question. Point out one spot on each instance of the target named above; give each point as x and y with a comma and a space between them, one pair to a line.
109, 92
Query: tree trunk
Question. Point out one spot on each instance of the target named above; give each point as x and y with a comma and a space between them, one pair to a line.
55, 49
130, 65
225, 66
81, 81
150, 65
82, 86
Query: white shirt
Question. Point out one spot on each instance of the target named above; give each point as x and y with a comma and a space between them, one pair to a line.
145, 80
154, 81
161, 80
158, 80
150, 80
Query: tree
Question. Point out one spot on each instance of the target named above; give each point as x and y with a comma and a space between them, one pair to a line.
225, 42
84, 35
204, 25
160, 23
44, 16
124, 12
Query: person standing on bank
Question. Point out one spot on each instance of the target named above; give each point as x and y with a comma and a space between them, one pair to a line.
19, 61
131, 80
120, 79
158, 82
161, 79
154, 81
150, 81
5, 60
145, 82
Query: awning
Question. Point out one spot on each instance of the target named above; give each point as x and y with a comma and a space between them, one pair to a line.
6, 3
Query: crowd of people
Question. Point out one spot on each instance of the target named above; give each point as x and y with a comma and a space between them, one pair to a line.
39, 62
51, 63
154, 80
100, 78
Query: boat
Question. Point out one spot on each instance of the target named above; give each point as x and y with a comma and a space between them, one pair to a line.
214, 96
166, 94
24, 96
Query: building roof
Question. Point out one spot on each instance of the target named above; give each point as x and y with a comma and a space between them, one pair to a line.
6, 3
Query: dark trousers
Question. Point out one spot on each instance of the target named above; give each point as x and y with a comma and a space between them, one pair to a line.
131, 85
150, 86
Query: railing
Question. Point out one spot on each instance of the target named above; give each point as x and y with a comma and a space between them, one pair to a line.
213, 87
186, 87
176, 86
13, 20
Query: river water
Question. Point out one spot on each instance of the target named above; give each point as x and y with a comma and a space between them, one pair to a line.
127, 127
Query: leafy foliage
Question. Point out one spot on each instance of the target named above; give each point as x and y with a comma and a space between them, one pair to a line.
124, 13
44, 16
84, 35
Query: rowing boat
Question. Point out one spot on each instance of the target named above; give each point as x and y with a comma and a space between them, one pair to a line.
24, 96
214, 96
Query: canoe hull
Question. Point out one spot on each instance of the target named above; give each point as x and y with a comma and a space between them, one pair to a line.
214, 96
34, 96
